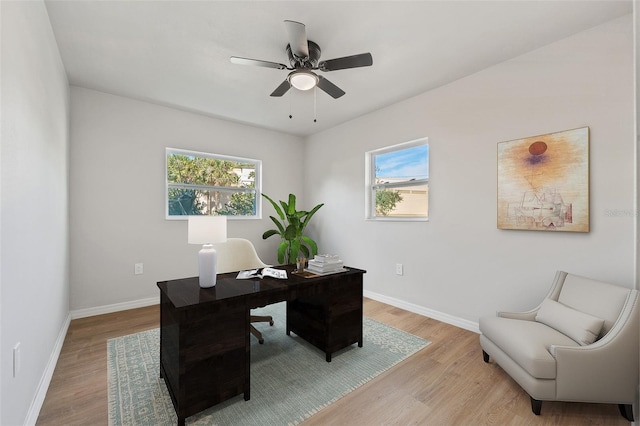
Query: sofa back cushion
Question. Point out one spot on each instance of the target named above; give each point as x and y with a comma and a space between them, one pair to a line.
596, 298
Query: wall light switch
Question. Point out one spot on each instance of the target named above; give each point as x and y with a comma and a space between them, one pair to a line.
138, 268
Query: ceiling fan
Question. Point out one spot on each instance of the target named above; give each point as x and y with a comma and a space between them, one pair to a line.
304, 58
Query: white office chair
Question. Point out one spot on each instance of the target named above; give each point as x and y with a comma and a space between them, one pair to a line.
238, 254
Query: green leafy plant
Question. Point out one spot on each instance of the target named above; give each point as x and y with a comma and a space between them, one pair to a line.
291, 228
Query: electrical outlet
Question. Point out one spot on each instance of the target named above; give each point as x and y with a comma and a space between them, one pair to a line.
16, 359
398, 268
138, 268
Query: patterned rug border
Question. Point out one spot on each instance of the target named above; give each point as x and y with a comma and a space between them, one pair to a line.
156, 406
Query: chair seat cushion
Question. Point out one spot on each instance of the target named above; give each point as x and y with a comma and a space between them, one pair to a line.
526, 342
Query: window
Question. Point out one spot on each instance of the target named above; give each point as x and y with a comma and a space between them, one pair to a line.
397, 182
206, 184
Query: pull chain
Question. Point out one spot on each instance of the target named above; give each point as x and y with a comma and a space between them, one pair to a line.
315, 109
315, 105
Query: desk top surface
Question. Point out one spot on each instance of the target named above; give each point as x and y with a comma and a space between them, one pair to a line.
187, 292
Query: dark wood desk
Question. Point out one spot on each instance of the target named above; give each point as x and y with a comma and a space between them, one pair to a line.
204, 332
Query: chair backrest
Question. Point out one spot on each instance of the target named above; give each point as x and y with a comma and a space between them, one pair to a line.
597, 298
237, 254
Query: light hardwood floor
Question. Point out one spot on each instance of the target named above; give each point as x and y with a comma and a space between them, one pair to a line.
446, 383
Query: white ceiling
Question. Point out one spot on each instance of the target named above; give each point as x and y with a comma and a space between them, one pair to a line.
176, 53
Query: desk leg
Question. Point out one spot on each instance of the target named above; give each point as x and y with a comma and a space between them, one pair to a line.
247, 365
327, 356
181, 421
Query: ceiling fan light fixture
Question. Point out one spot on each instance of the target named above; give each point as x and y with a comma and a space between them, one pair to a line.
303, 79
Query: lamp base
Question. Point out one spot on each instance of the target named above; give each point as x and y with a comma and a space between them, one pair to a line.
207, 262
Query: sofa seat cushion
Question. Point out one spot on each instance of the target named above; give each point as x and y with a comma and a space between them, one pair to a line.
526, 342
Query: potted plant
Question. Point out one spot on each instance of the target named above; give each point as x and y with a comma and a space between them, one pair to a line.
290, 228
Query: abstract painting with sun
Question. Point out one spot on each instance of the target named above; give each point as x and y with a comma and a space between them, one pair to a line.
543, 182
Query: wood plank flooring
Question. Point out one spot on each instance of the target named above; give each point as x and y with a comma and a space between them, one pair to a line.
446, 383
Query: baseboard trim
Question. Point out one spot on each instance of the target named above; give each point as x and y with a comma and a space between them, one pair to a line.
411, 307
427, 312
116, 307
45, 380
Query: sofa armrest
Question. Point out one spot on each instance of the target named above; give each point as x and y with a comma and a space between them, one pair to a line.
525, 316
611, 362
553, 294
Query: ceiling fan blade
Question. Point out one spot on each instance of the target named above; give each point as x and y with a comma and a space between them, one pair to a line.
355, 61
297, 38
282, 89
332, 90
257, 62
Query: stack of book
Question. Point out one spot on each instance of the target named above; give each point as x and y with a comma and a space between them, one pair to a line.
323, 264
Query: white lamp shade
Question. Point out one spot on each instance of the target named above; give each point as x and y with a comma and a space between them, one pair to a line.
207, 229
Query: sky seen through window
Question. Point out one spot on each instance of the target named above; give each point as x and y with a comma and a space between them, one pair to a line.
410, 163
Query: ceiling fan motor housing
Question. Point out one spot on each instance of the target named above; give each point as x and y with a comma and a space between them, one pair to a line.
310, 62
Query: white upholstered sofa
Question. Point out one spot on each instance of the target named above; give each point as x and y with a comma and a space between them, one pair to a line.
579, 344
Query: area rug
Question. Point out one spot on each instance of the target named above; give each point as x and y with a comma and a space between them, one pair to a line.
290, 379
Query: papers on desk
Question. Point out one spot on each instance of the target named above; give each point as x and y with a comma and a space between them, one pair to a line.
261, 273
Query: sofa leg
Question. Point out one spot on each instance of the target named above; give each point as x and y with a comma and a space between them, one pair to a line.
485, 356
627, 411
536, 406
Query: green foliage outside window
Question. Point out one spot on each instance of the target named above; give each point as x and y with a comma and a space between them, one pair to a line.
241, 204
203, 185
386, 200
184, 202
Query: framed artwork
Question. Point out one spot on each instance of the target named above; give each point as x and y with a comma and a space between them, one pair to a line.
543, 182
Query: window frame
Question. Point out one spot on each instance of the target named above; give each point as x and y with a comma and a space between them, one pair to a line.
257, 182
371, 186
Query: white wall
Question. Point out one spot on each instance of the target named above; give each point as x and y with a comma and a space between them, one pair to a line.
636, 30
117, 192
458, 263
34, 279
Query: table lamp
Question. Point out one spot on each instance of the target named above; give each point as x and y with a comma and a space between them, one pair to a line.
206, 230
